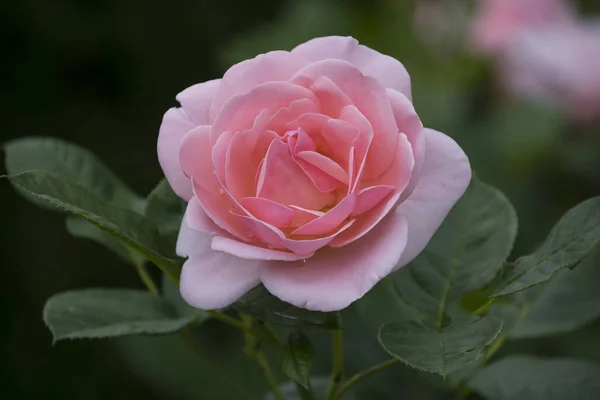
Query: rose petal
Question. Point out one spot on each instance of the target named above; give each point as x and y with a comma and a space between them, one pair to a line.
334, 278
215, 280
369, 97
246, 151
251, 252
303, 216
332, 98
280, 119
198, 220
175, 125
334, 136
246, 75
217, 205
330, 220
325, 164
322, 181
219, 153
191, 242
269, 211
303, 246
209, 279
261, 231
196, 100
370, 197
387, 70
283, 181
410, 124
360, 144
240, 111
274, 237
195, 157
397, 176
303, 143
445, 175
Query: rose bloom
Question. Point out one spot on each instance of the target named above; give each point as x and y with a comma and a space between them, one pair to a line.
497, 23
558, 65
308, 171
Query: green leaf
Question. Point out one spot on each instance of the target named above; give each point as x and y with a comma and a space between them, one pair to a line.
531, 378
454, 347
571, 239
567, 302
81, 228
261, 304
298, 358
464, 254
71, 163
424, 297
164, 208
78, 165
126, 225
102, 313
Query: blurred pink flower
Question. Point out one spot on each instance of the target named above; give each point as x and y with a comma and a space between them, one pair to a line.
558, 65
308, 171
498, 23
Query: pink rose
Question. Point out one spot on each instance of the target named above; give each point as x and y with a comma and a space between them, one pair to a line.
497, 23
558, 65
308, 171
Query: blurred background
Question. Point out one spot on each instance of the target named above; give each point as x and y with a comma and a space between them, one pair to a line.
101, 73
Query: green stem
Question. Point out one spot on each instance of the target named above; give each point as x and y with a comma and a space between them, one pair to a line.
493, 349
464, 392
252, 350
145, 277
235, 386
338, 364
231, 321
361, 375
265, 368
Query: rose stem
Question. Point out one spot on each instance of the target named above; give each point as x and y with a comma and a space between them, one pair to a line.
145, 276
252, 350
338, 363
363, 374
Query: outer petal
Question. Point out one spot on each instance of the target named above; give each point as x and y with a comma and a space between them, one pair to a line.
215, 280
209, 279
195, 157
175, 125
334, 278
387, 70
191, 242
445, 175
198, 220
246, 75
410, 124
196, 100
